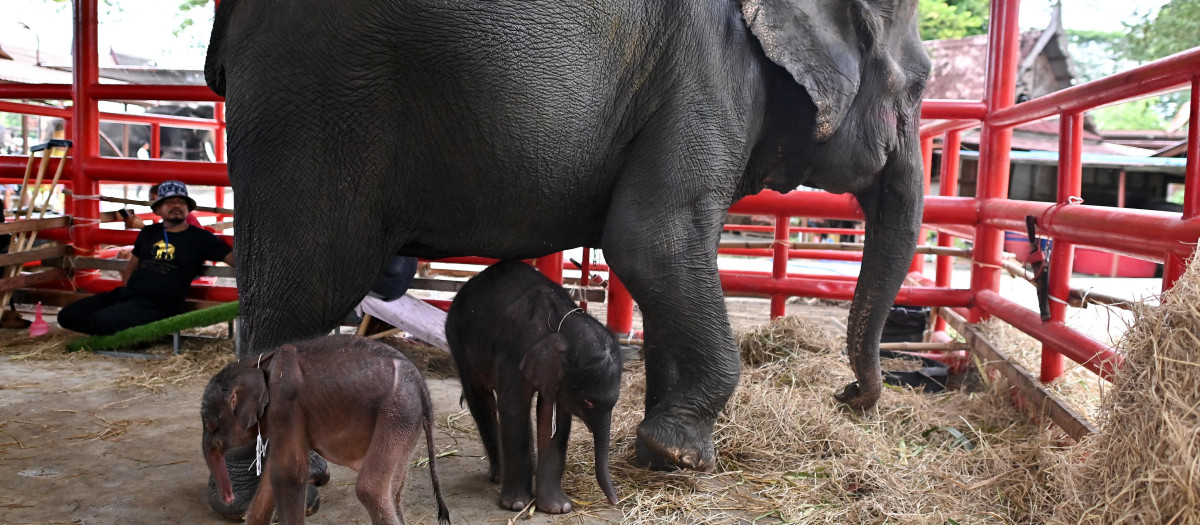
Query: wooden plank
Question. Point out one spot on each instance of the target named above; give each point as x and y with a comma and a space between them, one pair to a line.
1038, 399
29, 225
31, 279
95, 263
48, 252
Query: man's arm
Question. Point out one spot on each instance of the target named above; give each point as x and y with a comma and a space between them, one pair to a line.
228, 258
129, 268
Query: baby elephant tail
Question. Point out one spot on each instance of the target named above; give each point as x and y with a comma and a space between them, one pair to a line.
427, 416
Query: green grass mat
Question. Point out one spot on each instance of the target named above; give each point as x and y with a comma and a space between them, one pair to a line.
157, 329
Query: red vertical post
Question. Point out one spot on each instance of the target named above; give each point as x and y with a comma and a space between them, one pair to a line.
948, 187
779, 260
551, 266
620, 306
85, 124
1175, 265
219, 150
1062, 254
918, 262
585, 276
995, 142
155, 141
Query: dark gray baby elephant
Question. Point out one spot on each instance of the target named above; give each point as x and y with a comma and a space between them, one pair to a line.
357, 402
514, 333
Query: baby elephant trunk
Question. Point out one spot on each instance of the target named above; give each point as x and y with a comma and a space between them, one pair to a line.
600, 431
216, 465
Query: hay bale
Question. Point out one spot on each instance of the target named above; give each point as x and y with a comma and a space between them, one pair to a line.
1144, 464
787, 337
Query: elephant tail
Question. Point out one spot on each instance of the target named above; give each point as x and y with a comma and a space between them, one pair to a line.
427, 418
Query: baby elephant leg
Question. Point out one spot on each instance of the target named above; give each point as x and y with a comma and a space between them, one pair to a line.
384, 470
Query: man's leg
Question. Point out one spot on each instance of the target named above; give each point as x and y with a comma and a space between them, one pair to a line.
129, 310
78, 315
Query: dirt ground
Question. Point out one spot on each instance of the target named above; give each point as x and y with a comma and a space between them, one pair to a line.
88, 439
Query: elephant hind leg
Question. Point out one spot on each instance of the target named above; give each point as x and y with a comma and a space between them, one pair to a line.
384, 469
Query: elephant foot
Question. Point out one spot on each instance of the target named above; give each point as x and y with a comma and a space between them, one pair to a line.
857, 397
242, 475
665, 442
515, 500
556, 502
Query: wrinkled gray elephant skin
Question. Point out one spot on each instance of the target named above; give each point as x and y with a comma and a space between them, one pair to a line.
514, 333
514, 129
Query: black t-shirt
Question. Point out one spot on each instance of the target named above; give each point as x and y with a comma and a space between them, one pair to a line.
168, 262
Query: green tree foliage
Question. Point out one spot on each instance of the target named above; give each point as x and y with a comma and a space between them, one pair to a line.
942, 19
1173, 29
1138, 114
1154, 35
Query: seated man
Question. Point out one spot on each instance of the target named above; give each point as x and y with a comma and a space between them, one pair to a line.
166, 258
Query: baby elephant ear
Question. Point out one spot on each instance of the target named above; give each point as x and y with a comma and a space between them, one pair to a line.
542, 366
815, 41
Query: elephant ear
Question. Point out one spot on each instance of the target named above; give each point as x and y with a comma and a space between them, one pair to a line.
818, 43
249, 398
543, 366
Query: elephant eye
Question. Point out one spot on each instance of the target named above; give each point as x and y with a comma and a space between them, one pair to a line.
587, 403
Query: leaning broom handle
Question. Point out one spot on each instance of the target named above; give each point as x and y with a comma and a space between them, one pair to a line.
25, 243
24, 185
19, 245
62, 161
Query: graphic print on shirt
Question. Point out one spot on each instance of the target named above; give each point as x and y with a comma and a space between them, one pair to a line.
164, 251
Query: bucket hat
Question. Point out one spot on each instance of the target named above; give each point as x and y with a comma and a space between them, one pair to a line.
173, 188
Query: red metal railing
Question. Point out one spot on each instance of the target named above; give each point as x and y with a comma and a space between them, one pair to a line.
1156, 236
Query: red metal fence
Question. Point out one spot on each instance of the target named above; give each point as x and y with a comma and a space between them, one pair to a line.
1164, 237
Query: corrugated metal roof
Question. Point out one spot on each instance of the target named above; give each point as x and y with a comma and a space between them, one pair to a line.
17, 72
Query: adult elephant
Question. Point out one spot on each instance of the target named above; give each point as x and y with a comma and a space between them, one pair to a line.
514, 129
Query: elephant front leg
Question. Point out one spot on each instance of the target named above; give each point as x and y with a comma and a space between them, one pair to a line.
552, 456
516, 485
692, 365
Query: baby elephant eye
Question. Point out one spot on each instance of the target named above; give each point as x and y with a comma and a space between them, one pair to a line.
587, 403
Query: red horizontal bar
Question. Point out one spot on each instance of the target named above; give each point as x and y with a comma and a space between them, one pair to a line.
794, 229
1092, 354
164, 120
828, 255
846, 278
1156, 76
1138, 233
152, 92
744, 282
36, 91
203, 292
34, 109
938, 127
942, 210
157, 170
13, 167
953, 109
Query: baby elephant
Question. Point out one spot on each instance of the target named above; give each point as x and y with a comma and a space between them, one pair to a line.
513, 332
355, 401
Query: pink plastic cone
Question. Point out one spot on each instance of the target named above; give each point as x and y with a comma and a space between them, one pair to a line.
39, 326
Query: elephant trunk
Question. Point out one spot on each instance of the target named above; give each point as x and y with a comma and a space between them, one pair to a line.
216, 465
893, 208
600, 436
